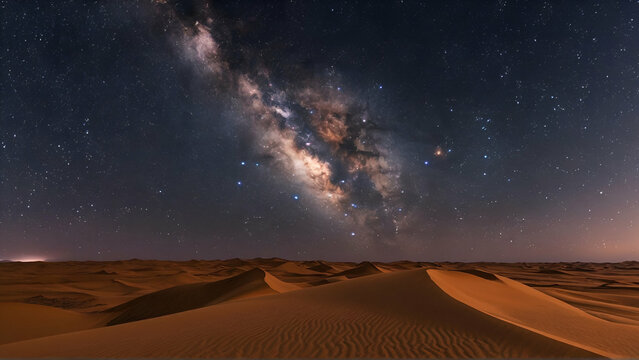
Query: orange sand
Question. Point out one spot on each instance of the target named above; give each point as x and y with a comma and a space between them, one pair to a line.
277, 308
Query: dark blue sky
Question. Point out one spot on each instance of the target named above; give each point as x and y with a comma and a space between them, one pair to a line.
452, 130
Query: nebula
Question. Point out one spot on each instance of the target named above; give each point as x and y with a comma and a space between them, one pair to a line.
316, 134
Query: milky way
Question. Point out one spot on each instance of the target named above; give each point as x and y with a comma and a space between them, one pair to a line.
344, 130
314, 132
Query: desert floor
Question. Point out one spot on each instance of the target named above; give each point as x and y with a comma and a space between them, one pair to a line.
276, 308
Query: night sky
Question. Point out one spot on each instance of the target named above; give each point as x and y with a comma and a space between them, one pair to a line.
341, 130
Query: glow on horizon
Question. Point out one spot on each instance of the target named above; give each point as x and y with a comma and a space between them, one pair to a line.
29, 259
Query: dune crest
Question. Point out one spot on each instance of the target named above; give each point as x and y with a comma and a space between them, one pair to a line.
218, 309
255, 282
277, 284
392, 315
531, 309
363, 269
293, 268
322, 267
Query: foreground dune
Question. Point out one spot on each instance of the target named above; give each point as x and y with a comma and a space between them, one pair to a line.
401, 314
531, 309
27, 321
280, 308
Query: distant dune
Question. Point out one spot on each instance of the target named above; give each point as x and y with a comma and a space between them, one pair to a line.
322, 267
363, 269
292, 268
285, 309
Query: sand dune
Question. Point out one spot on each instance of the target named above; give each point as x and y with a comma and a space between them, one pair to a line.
328, 280
322, 267
292, 268
278, 285
192, 296
531, 309
363, 269
598, 305
279, 308
402, 314
26, 321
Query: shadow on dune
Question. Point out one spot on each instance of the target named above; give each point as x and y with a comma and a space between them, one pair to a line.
191, 296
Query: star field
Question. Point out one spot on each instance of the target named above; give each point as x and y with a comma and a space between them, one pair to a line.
346, 130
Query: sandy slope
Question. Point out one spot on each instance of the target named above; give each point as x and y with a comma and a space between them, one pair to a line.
26, 321
402, 314
321, 267
531, 309
291, 268
600, 305
180, 298
345, 309
363, 269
